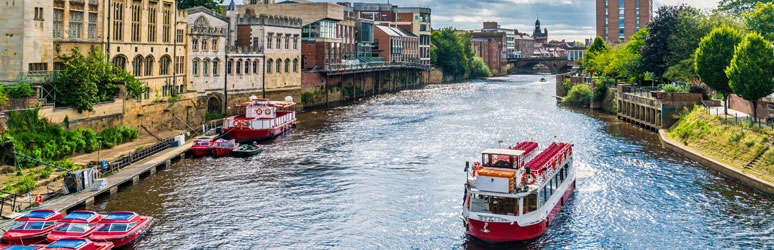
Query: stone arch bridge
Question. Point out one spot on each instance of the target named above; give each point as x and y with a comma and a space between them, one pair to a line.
557, 65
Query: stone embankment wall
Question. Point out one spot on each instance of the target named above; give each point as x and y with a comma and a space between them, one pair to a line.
318, 90
737, 103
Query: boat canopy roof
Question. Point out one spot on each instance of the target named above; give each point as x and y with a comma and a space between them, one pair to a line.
203, 139
81, 215
498, 151
16, 247
39, 214
120, 217
68, 243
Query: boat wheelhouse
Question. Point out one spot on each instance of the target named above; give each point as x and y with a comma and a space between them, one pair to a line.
78, 244
263, 119
202, 146
121, 228
513, 196
78, 224
32, 227
223, 147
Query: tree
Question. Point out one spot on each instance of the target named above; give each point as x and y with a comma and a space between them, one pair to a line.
596, 47
761, 20
674, 35
739, 6
713, 56
451, 52
210, 4
479, 69
749, 73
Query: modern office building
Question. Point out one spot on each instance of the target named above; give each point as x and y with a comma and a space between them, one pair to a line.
618, 20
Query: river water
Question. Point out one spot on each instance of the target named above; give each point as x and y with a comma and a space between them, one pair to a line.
387, 173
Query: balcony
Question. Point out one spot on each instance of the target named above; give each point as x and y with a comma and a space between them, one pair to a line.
41, 77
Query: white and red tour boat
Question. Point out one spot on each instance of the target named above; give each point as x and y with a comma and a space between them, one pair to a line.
263, 119
514, 196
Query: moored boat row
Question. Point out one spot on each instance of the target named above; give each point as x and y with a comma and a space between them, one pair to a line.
118, 229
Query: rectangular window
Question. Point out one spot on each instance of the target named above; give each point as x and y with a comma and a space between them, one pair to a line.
76, 24
39, 14
58, 22
179, 35
530, 203
151, 24
136, 13
118, 21
268, 41
167, 21
92, 25
38, 67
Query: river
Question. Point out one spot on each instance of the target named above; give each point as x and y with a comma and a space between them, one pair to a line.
387, 173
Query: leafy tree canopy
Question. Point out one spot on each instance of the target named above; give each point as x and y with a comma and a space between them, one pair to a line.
749, 73
598, 46
739, 6
761, 20
215, 5
452, 51
714, 55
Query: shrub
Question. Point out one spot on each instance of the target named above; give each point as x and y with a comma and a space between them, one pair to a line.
25, 184
600, 91
672, 88
307, 97
579, 94
20, 90
567, 84
214, 116
478, 68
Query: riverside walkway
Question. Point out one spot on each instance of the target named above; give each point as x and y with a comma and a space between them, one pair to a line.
128, 174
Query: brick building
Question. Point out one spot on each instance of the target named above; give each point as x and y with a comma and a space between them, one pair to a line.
396, 45
415, 20
618, 20
491, 46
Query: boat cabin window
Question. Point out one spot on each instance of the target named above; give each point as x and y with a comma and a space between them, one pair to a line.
504, 206
115, 227
73, 227
202, 143
31, 225
530, 203
498, 161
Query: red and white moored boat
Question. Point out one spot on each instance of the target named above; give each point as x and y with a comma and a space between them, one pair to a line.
513, 196
223, 147
78, 224
202, 146
78, 244
263, 119
32, 227
121, 228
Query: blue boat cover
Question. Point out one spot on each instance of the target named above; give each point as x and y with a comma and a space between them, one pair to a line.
203, 139
119, 216
39, 214
68, 243
21, 248
85, 216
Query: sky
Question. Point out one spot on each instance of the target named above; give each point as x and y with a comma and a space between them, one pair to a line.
572, 20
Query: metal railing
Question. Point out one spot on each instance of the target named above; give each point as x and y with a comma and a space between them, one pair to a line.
10, 201
38, 77
132, 157
375, 65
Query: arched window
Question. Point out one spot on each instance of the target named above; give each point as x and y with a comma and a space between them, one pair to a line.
194, 44
247, 66
215, 64
287, 65
149, 65
279, 65
164, 65
239, 67
195, 67
137, 65
215, 44
229, 64
255, 66
120, 62
206, 67
295, 65
269, 64
204, 45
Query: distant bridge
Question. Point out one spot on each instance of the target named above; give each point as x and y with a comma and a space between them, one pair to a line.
555, 64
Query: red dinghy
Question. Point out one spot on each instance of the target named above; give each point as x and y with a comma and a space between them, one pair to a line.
121, 228
224, 147
78, 224
78, 244
32, 228
263, 120
202, 146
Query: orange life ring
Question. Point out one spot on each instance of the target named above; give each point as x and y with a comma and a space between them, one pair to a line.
236, 123
524, 178
258, 111
39, 200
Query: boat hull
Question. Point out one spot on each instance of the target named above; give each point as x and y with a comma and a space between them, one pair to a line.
497, 232
221, 151
239, 153
26, 240
244, 135
127, 239
199, 152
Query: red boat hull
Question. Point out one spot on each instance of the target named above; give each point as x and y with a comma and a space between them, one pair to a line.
126, 239
506, 232
243, 135
222, 151
27, 240
198, 152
